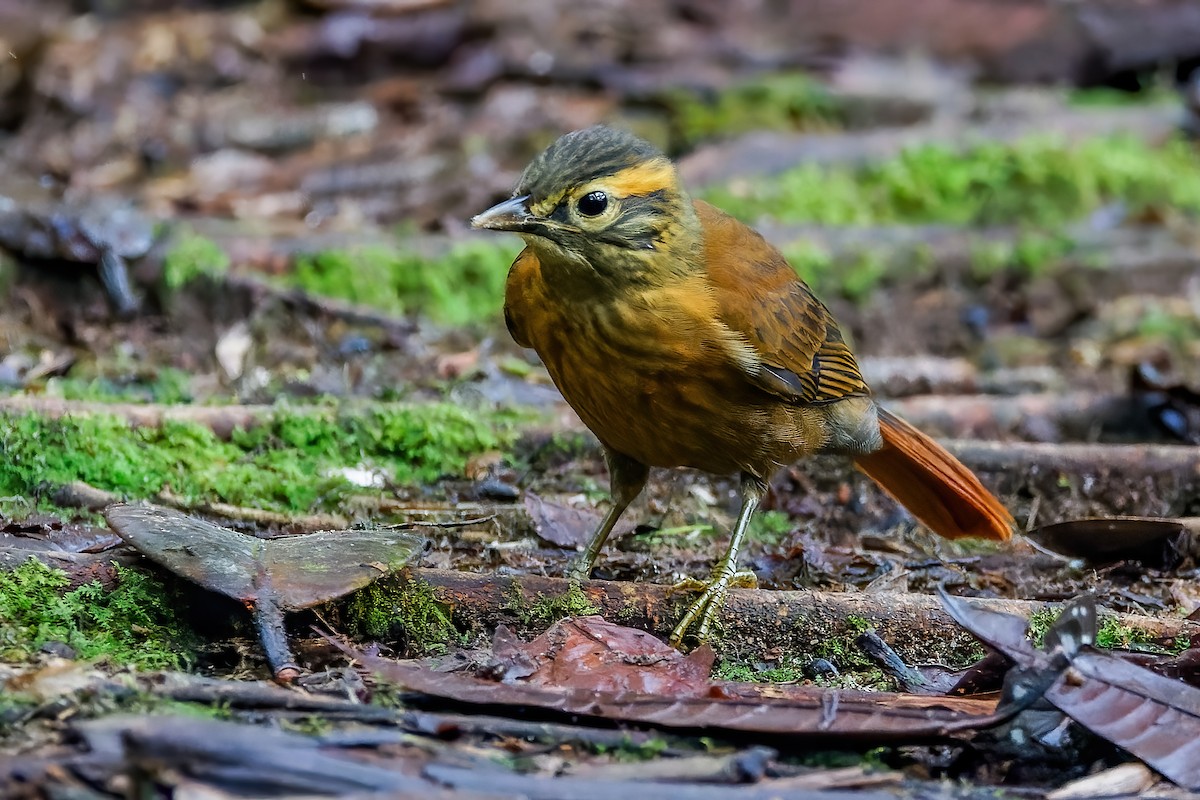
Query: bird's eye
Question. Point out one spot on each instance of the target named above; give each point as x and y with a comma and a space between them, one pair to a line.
593, 204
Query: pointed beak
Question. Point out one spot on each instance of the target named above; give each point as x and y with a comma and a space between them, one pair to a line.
511, 215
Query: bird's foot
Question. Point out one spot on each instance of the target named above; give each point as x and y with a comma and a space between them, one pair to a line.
704, 609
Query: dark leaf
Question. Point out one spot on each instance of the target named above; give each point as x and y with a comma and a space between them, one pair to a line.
1153, 542
1154, 717
567, 526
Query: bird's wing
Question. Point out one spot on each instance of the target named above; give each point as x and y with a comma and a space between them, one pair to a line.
802, 354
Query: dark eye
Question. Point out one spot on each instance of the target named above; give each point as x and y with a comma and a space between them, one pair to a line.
593, 204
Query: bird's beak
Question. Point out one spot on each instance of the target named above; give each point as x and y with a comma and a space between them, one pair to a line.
511, 215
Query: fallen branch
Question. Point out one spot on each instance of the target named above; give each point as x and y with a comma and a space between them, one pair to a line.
78, 494
1073, 416
222, 420
1128, 460
753, 620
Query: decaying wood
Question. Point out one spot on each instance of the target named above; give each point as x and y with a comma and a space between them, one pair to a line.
753, 620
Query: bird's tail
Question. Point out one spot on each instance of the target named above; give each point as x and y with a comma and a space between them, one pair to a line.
935, 486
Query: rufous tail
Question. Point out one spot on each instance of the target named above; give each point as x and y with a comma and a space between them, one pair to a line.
935, 486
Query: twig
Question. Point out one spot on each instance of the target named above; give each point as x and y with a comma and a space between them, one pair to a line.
310, 522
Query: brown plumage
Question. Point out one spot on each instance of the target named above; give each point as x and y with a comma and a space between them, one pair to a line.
682, 338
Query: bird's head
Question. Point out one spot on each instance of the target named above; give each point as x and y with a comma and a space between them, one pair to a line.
603, 200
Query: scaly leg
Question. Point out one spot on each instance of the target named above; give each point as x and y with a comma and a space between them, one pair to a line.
627, 478
708, 605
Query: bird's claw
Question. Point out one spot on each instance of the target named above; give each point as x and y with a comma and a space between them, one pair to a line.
707, 606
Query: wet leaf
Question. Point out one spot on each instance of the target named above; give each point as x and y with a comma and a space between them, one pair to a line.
270, 576
590, 653
567, 526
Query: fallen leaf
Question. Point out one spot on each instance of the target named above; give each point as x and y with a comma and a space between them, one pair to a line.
1150, 541
1154, 717
807, 712
590, 653
269, 576
568, 526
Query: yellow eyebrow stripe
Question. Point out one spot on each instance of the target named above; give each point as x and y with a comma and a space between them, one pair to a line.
641, 179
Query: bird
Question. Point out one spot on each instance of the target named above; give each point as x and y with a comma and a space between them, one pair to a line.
682, 338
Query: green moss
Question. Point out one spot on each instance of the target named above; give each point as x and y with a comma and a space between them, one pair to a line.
1110, 633
785, 101
291, 462
791, 671
1152, 93
193, 257
546, 610
464, 285
133, 622
402, 610
166, 385
629, 752
1039, 181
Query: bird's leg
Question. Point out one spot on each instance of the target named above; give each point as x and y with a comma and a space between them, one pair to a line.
706, 607
626, 479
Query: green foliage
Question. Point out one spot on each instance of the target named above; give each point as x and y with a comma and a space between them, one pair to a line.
770, 526
787, 101
1030, 254
193, 257
1160, 323
1038, 181
132, 623
464, 285
406, 610
291, 462
1110, 633
1107, 97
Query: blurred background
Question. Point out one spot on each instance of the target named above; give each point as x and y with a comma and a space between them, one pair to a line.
247, 201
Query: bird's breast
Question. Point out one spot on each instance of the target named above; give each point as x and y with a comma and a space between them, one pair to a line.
652, 374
